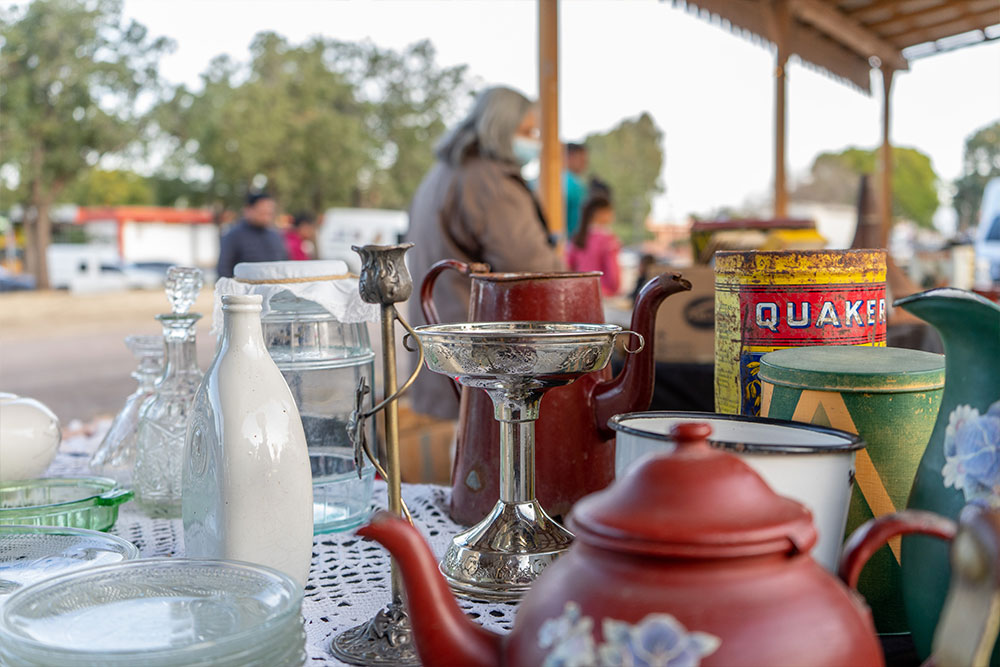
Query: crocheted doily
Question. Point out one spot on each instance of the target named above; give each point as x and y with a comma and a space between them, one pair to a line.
349, 577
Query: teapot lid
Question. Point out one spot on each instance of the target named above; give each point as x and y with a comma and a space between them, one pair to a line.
696, 502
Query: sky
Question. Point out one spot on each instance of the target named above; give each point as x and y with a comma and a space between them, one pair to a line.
710, 91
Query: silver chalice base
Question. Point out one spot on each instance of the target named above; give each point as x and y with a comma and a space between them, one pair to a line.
515, 362
500, 557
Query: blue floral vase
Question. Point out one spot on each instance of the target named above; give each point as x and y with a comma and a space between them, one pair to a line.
961, 464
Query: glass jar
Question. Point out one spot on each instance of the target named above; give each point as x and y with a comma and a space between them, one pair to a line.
322, 360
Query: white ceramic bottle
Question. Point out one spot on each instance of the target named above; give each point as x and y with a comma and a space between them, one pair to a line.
247, 485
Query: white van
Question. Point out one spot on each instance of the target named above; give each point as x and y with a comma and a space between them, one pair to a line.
81, 267
343, 227
988, 233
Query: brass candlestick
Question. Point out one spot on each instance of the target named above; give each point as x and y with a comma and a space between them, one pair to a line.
386, 638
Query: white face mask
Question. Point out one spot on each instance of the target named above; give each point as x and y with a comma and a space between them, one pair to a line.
526, 149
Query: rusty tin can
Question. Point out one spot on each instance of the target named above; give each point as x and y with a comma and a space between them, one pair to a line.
766, 301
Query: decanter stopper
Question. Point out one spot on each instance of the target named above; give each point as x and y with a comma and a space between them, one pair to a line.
183, 284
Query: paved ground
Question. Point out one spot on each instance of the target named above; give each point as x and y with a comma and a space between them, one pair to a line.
68, 351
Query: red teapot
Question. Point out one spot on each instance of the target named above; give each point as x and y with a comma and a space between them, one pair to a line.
690, 558
575, 450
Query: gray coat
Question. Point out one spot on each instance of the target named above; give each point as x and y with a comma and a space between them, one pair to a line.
479, 212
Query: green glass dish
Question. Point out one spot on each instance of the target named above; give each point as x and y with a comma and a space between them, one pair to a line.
74, 502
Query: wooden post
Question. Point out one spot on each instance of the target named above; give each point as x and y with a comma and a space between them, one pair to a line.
885, 162
550, 177
781, 23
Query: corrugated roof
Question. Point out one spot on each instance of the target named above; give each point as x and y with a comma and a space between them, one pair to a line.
846, 38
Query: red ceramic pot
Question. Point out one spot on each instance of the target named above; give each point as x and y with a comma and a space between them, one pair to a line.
575, 451
688, 559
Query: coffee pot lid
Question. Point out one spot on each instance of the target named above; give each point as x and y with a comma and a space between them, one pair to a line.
694, 502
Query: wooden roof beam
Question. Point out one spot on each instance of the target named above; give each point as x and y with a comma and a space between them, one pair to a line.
967, 23
877, 8
849, 32
949, 11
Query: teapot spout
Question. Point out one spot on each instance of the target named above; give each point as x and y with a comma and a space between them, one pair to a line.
632, 389
442, 633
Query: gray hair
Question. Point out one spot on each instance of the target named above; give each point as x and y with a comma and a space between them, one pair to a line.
489, 128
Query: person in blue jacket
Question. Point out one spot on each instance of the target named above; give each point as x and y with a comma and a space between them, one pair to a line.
253, 238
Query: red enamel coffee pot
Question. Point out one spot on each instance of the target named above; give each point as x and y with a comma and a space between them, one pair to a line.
690, 558
575, 450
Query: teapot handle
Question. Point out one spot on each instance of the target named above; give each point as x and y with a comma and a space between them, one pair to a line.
427, 293
870, 536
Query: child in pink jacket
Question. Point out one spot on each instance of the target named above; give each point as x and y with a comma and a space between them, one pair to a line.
594, 246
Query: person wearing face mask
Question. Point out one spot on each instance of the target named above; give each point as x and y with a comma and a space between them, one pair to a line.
475, 206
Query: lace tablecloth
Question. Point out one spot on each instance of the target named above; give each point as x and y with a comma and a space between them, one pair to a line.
349, 578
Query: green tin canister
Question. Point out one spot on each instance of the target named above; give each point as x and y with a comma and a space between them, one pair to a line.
888, 396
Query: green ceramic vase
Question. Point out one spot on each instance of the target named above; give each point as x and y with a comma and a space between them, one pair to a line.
961, 464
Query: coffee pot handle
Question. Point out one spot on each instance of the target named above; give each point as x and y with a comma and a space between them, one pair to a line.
427, 306
870, 536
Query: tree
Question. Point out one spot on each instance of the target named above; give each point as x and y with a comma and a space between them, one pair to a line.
834, 178
981, 163
409, 101
325, 123
117, 187
74, 80
291, 119
629, 158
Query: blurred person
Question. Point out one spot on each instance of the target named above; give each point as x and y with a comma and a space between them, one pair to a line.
599, 188
475, 206
252, 238
646, 264
594, 247
300, 237
574, 185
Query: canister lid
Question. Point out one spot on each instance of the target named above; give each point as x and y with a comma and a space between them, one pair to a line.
853, 368
695, 502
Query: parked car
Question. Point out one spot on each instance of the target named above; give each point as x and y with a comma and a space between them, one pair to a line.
13, 282
988, 233
136, 276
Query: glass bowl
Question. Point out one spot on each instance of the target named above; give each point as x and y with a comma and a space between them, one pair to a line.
29, 554
75, 502
158, 612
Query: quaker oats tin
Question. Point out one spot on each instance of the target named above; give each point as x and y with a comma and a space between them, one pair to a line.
766, 301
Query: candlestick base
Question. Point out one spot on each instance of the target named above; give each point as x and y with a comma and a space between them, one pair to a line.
385, 639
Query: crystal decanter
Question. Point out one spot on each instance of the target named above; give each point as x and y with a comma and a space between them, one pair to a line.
163, 417
115, 458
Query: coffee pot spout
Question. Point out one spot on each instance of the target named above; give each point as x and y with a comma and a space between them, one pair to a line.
632, 389
442, 633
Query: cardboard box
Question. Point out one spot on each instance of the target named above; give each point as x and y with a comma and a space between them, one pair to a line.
425, 446
685, 324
